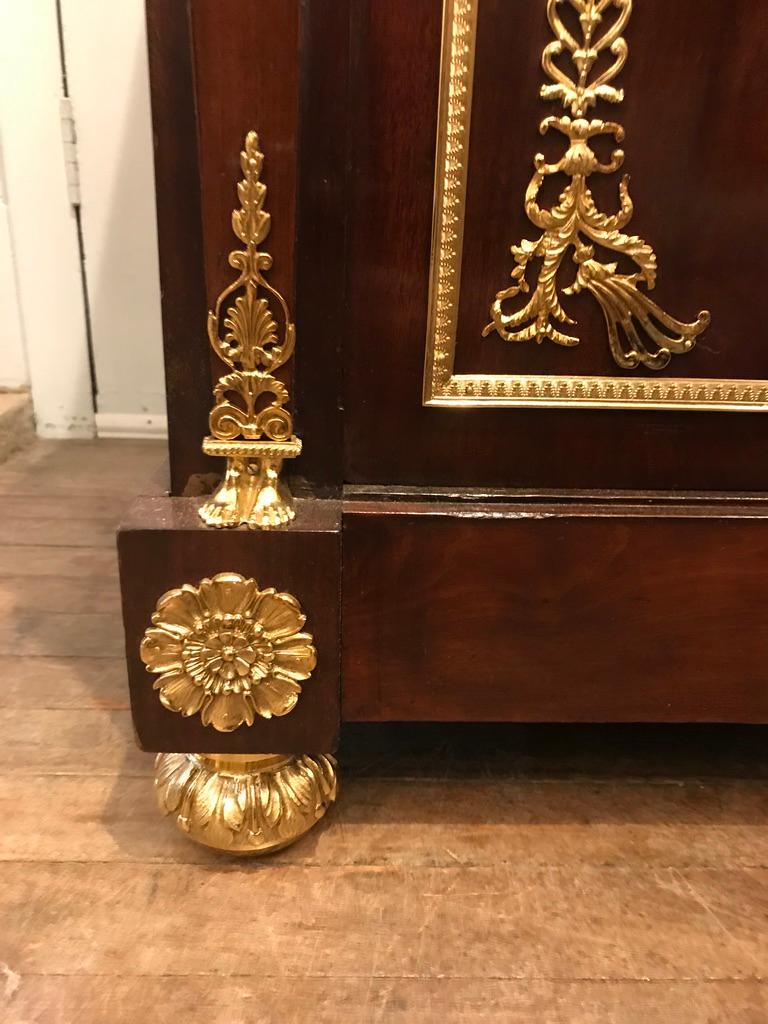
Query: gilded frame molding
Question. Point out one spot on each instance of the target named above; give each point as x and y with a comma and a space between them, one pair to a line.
443, 387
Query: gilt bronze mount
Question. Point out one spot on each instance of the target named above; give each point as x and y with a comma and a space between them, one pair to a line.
639, 331
251, 426
248, 803
228, 651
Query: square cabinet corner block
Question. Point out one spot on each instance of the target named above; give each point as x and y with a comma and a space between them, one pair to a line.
164, 545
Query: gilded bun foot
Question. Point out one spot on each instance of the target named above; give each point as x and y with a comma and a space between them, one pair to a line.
245, 803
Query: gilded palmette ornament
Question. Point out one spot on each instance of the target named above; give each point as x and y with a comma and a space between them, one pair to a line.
228, 651
640, 332
250, 423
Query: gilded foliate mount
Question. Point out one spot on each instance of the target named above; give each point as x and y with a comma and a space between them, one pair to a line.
245, 804
250, 423
639, 331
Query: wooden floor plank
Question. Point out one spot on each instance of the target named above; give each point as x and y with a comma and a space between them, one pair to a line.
62, 635
61, 531
378, 922
78, 508
46, 683
57, 468
419, 824
259, 1000
62, 562
82, 595
71, 742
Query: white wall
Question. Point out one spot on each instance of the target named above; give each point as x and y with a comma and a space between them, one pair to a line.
40, 263
43, 225
106, 62
13, 359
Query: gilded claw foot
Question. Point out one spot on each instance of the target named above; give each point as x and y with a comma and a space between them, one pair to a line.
251, 493
245, 803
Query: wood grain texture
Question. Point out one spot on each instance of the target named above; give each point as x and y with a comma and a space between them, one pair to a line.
45, 1000
41, 562
247, 78
558, 612
496, 921
53, 594
180, 235
54, 530
53, 683
91, 470
72, 741
62, 635
395, 821
321, 306
163, 544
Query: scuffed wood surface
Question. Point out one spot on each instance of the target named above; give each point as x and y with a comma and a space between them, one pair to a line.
508, 875
47, 1000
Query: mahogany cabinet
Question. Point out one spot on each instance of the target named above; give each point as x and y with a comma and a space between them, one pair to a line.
523, 421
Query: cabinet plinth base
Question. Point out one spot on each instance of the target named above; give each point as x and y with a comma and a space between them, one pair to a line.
247, 804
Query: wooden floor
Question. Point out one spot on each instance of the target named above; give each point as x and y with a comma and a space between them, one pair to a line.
511, 875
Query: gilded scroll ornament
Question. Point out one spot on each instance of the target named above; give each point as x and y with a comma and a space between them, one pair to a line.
250, 423
639, 331
228, 651
245, 804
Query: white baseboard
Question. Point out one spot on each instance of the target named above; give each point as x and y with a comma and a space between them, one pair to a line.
122, 424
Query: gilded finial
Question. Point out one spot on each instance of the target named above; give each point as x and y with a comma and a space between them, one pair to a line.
250, 423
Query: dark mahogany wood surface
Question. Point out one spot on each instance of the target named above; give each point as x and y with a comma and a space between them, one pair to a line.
321, 238
247, 77
596, 611
685, 153
180, 238
162, 544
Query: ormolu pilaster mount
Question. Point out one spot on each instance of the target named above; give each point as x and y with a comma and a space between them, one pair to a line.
225, 648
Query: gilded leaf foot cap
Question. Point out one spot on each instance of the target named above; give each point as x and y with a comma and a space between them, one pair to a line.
245, 804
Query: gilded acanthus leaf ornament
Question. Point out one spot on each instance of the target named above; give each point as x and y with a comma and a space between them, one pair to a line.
245, 804
250, 423
228, 651
639, 331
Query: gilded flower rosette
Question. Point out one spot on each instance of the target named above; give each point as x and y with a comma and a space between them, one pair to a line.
228, 651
